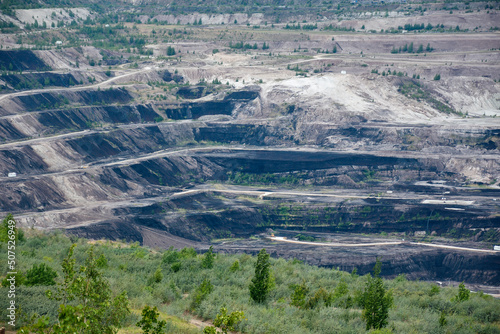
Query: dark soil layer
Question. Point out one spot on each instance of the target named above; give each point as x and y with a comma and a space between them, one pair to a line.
21, 60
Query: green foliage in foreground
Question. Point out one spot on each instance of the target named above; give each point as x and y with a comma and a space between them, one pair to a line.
86, 305
149, 322
326, 301
41, 275
225, 322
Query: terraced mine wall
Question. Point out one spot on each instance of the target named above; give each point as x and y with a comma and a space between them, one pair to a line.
189, 218
38, 80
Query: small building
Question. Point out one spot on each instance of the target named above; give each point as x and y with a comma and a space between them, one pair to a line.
343, 72
12, 174
497, 248
58, 42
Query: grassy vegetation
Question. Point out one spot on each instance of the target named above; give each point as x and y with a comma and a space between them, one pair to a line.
414, 90
266, 178
172, 281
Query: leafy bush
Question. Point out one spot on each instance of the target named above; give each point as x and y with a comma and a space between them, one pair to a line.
40, 275
149, 322
176, 267
208, 259
9, 231
201, 293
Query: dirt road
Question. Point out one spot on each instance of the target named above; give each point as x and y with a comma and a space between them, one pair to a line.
75, 88
334, 244
283, 239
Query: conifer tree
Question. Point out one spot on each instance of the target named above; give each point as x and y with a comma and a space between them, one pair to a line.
208, 259
262, 281
376, 301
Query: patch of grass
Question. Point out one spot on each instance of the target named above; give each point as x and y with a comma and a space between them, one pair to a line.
174, 324
414, 90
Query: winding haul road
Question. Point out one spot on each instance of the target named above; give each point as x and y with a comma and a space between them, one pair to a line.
76, 88
283, 239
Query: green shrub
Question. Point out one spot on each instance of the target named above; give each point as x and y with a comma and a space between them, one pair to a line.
299, 294
40, 275
208, 259
201, 293
235, 266
176, 267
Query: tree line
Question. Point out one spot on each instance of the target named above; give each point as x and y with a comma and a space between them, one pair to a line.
409, 48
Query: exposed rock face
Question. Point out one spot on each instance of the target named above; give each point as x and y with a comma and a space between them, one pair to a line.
195, 110
38, 80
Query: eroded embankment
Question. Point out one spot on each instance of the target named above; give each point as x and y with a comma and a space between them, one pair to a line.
21, 60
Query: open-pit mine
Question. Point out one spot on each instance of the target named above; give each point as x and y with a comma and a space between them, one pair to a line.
334, 144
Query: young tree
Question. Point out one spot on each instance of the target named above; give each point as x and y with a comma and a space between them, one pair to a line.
262, 281
299, 294
149, 319
235, 266
463, 293
156, 277
340, 290
321, 295
87, 305
170, 51
201, 293
376, 300
208, 259
442, 319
